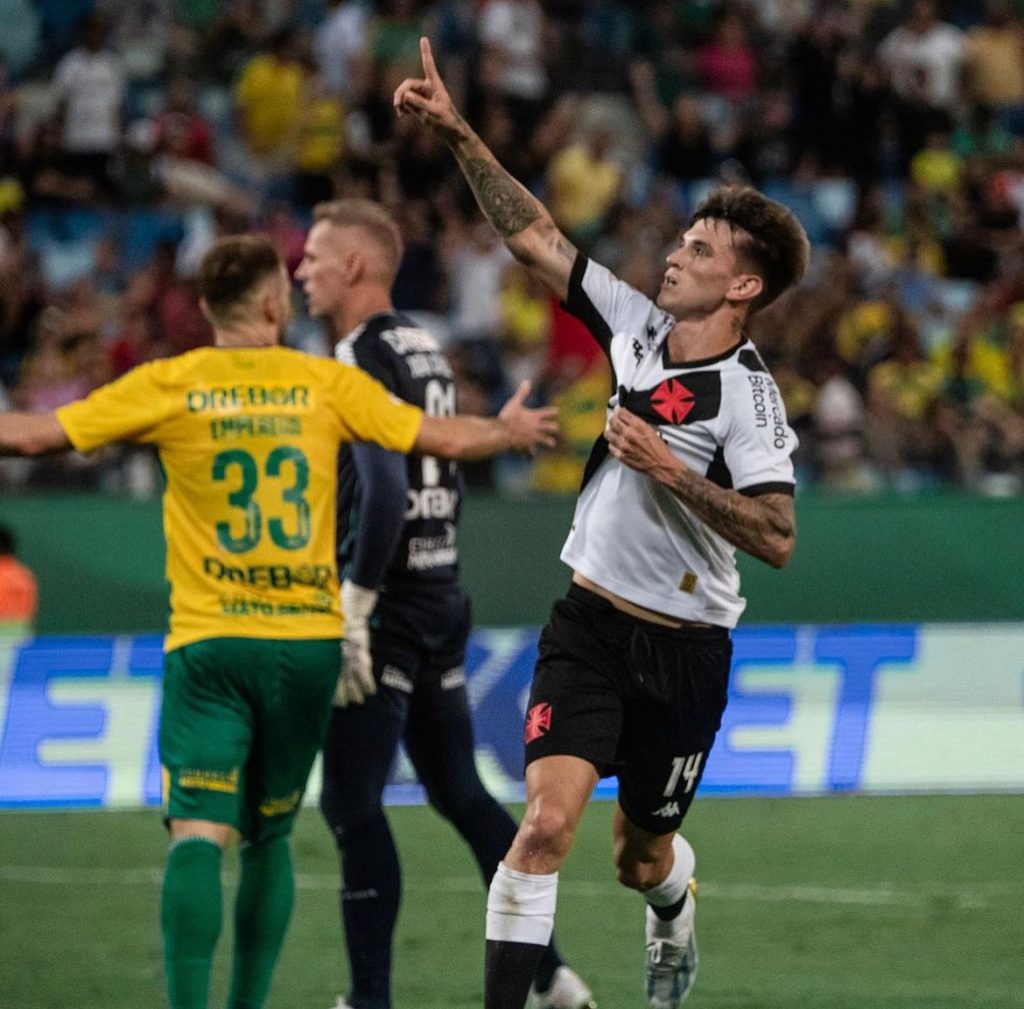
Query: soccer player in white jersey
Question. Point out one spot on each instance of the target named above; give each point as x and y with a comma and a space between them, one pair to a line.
694, 462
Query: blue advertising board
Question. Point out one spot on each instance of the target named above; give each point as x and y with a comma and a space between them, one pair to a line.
811, 710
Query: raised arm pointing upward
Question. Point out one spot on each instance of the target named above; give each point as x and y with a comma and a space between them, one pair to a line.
694, 462
714, 281
522, 220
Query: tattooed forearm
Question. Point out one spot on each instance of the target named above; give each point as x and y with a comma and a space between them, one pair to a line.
764, 527
452, 132
521, 220
505, 203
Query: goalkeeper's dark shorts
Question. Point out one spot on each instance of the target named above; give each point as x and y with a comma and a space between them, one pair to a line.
241, 721
636, 699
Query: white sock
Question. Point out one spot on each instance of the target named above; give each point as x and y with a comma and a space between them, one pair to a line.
673, 887
521, 906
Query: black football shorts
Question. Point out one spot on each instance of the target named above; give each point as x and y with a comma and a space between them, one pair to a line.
636, 699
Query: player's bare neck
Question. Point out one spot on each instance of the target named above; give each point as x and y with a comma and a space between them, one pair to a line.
699, 339
361, 303
241, 336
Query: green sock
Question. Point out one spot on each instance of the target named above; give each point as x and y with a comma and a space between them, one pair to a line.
266, 893
190, 917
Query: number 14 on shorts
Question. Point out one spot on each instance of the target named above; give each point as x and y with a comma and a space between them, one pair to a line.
687, 768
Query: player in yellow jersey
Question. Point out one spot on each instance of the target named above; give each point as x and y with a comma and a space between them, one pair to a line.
247, 433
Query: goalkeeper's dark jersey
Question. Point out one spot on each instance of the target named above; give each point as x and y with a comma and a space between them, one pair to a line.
410, 363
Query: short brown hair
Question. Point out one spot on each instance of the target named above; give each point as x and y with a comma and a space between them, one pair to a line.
774, 244
354, 212
232, 268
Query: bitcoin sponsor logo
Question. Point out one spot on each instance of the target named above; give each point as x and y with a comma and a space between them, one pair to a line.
768, 412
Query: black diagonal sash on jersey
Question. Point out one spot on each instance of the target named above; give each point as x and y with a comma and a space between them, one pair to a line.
686, 398
683, 399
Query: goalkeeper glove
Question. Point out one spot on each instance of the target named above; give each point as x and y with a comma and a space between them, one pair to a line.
356, 681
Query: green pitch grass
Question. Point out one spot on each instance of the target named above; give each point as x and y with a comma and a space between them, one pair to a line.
838, 903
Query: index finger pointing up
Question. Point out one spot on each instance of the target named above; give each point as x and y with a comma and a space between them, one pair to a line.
429, 68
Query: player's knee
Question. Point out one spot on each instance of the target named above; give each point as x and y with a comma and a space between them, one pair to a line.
219, 833
547, 830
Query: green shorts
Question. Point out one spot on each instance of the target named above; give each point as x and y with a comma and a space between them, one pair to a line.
241, 722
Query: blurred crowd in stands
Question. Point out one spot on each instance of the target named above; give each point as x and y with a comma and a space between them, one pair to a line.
132, 134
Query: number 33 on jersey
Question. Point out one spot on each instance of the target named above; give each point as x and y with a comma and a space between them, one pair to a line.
247, 440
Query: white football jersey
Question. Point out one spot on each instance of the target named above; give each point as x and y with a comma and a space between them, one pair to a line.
723, 417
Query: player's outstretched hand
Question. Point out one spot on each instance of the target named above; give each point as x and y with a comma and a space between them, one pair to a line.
529, 428
427, 98
636, 444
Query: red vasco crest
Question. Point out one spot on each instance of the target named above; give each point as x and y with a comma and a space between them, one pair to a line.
672, 400
538, 721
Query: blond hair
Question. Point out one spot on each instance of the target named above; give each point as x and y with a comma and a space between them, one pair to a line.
373, 218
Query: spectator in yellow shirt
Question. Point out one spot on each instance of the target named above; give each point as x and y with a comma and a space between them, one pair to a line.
318, 142
585, 182
268, 95
994, 64
900, 392
936, 168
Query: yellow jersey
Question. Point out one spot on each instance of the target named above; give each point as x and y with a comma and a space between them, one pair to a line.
248, 441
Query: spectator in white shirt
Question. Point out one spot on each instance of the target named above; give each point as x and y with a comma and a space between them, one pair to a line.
90, 88
339, 45
512, 35
923, 57
925, 52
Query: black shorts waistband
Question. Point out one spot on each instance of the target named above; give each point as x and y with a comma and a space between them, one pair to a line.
586, 597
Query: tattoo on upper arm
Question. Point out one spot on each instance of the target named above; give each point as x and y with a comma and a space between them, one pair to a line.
506, 204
